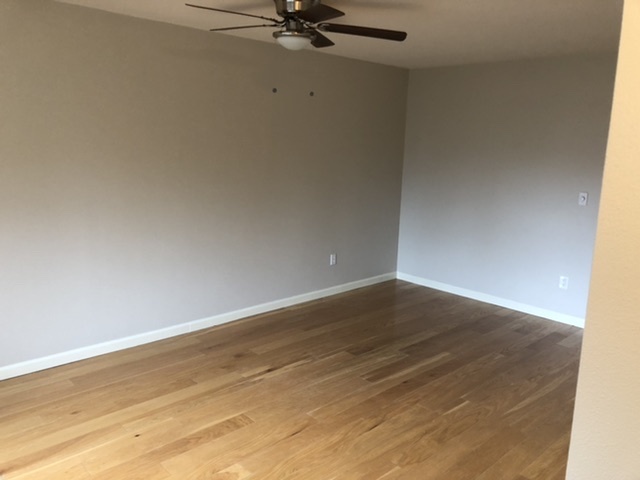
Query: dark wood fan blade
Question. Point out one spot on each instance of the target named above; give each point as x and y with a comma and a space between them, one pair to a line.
319, 13
232, 12
224, 29
363, 31
320, 41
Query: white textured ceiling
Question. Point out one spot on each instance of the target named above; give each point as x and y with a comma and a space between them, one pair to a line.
441, 32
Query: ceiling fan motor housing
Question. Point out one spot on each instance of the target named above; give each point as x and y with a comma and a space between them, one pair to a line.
291, 7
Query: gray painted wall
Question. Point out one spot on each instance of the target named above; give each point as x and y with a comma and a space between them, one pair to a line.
496, 155
150, 177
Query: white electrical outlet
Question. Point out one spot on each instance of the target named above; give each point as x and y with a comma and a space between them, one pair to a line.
564, 283
333, 259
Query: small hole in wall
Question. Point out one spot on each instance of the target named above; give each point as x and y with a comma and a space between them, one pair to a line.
274, 90
312, 94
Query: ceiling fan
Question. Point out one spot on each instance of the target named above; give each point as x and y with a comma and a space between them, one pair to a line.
302, 21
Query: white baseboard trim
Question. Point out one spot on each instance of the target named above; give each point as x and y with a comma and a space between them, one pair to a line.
63, 358
287, 302
502, 302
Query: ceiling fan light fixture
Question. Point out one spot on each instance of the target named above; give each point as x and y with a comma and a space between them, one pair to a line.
292, 40
302, 22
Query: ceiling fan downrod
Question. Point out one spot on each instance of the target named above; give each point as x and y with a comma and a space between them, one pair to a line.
287, 8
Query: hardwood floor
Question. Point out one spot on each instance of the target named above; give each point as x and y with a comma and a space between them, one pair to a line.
390, 382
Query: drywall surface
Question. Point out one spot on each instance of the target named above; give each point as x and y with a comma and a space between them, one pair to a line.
150, 176
495, 158
606, 429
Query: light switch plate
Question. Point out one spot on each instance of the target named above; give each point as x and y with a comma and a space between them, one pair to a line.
583, 199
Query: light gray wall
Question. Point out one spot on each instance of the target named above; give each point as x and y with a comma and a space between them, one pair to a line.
150, 177
496, 155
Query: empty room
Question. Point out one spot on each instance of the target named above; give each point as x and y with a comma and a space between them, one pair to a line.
406, 251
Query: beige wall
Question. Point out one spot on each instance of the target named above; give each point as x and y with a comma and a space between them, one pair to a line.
150, 177
605, 442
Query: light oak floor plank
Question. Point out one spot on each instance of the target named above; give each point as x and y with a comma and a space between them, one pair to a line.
393, 381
